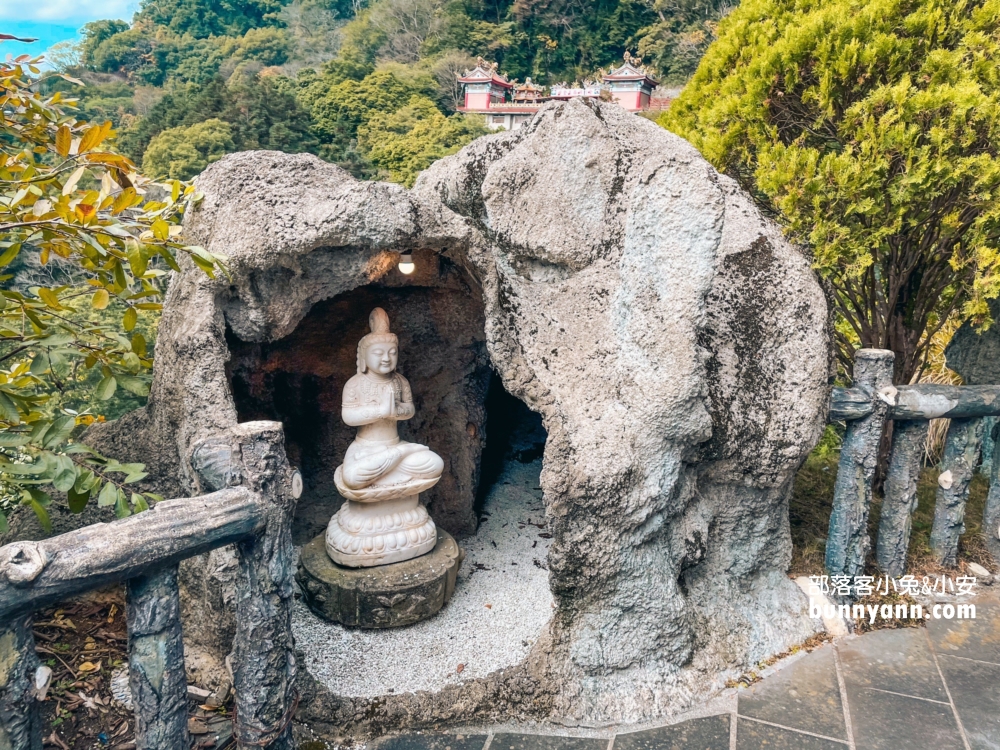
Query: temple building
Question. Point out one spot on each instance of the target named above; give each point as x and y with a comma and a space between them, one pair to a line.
528, 93
484, 87
509, 104
630, 85
503, 103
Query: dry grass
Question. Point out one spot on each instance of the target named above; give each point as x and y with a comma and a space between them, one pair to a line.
937, 372
809, 516
877, 600
809, 513
971, 545
754, 675
812, 502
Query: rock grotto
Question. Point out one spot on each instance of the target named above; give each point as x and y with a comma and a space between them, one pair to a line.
590, 266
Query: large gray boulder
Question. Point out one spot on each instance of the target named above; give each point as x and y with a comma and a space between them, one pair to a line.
675, 345
975, 354
677, 348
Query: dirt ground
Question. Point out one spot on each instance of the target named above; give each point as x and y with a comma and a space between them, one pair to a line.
85, 642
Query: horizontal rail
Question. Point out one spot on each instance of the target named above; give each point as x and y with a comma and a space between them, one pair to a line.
37, 574
925, 401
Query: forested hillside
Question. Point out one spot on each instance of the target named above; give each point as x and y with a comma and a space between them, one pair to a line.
367, 84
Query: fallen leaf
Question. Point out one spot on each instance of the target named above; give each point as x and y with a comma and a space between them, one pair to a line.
87, 702
57, 623
89, 666
489, 606
197, 726
460, 668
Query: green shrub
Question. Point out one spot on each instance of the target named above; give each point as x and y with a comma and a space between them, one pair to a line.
183, 152
870, 128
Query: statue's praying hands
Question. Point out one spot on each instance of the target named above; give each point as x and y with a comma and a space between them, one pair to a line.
388, 405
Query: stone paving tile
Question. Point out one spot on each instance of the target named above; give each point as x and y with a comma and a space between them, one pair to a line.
976, 639
753, 736
803, 695
709, 733
885, 721
975, 688
540, 742
896, 660
428, 741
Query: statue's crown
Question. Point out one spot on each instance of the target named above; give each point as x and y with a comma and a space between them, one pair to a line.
378, 322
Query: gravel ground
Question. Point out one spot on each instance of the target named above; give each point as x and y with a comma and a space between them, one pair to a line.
501, 604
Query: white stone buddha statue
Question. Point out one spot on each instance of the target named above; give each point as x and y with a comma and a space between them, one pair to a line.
382, 521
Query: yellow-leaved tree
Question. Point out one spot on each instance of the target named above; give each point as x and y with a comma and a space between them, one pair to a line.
68, 199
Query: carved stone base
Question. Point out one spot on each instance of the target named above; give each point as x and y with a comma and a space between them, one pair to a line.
362, 535
386, 596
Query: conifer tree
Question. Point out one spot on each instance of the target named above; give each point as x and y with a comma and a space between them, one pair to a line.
871, 129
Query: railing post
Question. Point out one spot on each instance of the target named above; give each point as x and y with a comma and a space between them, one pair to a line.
958, 465
20, 721
848, 543
989, 445
991, 513
156, 661
900, 500
264, 666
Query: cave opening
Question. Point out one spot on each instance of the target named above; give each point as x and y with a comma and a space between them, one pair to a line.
489, 496
514, 433
463, 412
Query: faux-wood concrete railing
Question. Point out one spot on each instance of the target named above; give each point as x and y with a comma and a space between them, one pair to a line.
865, 407
255, 514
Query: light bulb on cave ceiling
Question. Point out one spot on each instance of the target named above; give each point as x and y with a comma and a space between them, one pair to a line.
406, 265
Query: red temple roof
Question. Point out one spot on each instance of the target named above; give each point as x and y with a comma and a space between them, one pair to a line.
485, 73
630, 70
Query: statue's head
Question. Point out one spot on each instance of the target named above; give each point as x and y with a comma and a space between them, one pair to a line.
379, 350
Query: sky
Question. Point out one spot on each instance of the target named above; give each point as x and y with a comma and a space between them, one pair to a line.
52, 21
